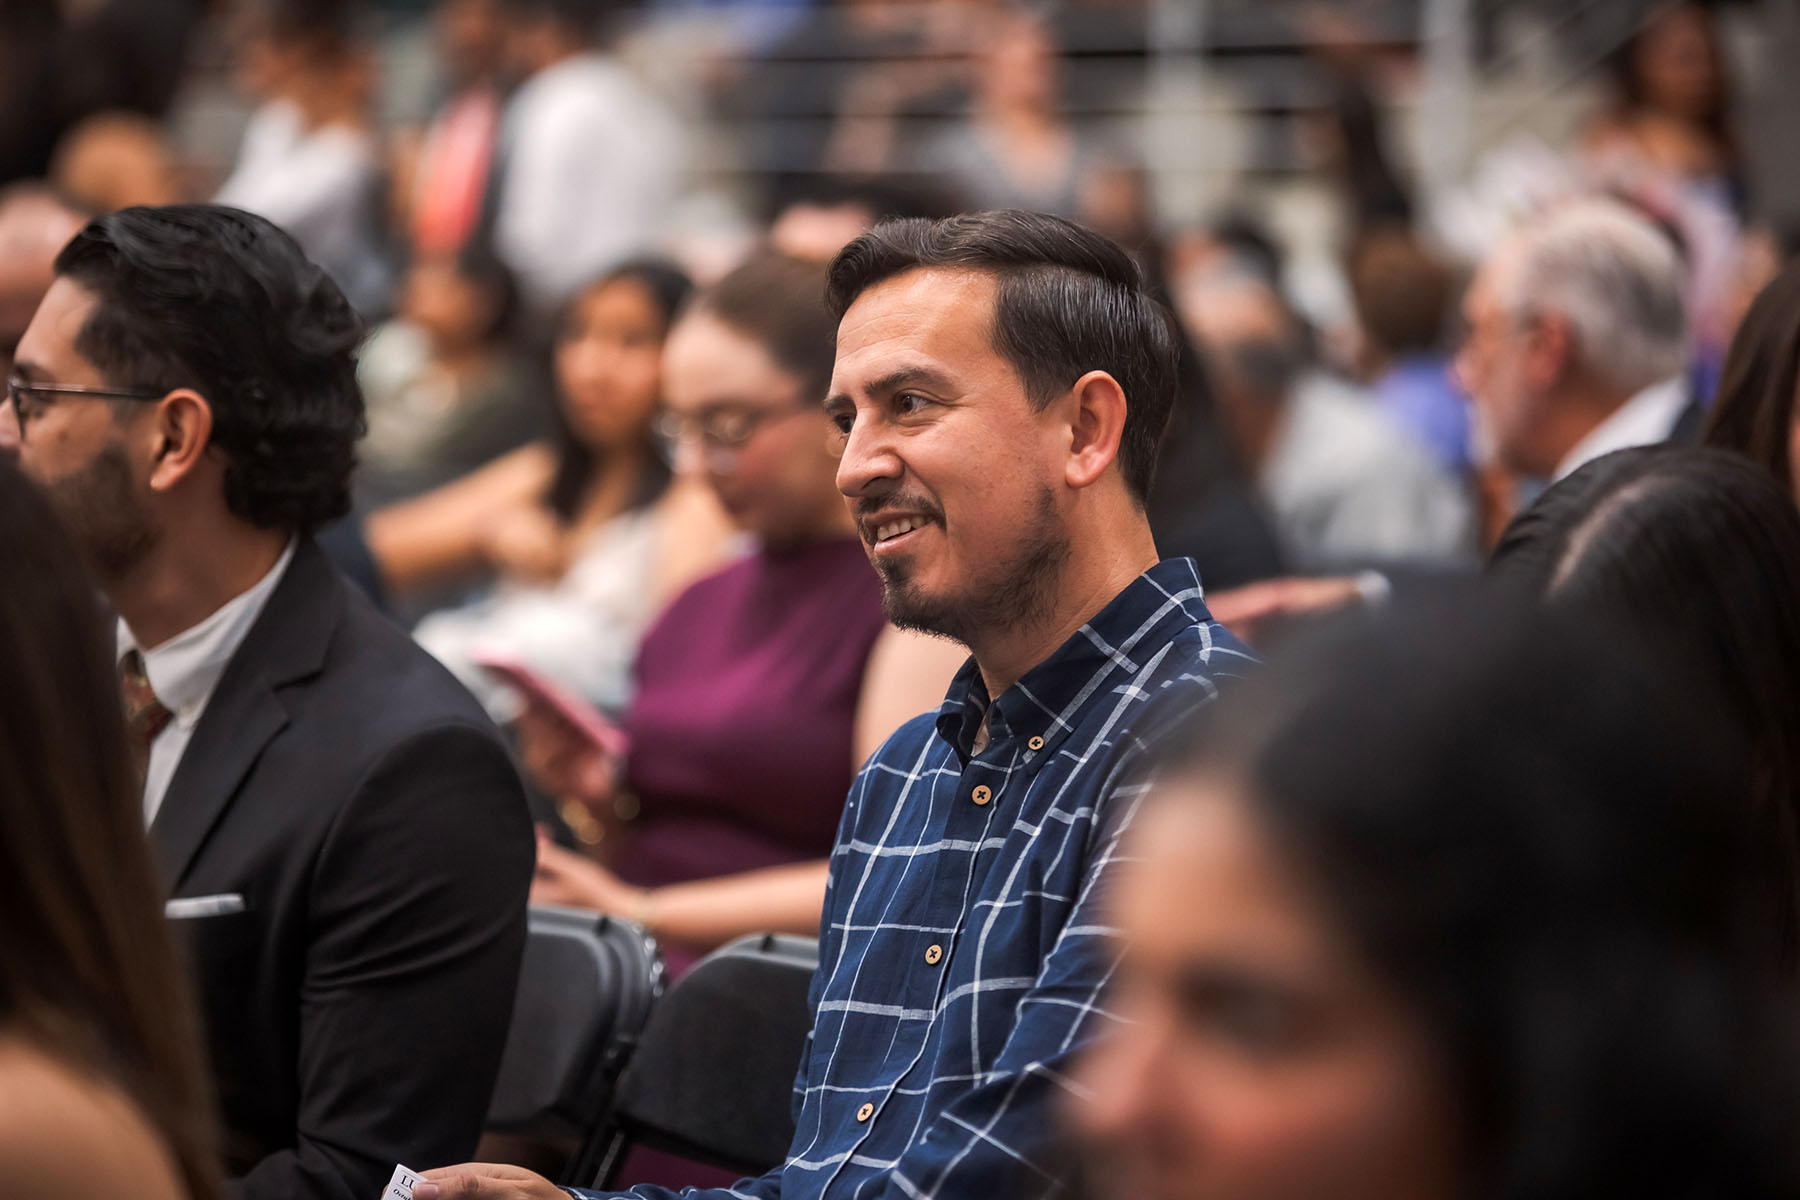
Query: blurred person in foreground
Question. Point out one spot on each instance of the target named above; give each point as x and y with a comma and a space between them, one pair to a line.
1347, 486
1754, 413
1501, 933
1001, 384
336, 805
761, 688
1695, 554
102, 1092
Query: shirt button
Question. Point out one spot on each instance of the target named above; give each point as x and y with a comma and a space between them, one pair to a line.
1036, 743
981, 795
865, 1112
933, 954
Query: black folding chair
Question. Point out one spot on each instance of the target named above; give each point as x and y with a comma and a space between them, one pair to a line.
712, 1079
586, 988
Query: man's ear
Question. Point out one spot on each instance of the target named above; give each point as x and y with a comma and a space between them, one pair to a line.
1095, 427
179, 434
1552, 356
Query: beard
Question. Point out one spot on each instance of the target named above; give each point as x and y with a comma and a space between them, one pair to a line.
99, 505
1017, 590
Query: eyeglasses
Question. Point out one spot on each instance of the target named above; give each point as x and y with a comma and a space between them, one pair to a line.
28, 398
719, 430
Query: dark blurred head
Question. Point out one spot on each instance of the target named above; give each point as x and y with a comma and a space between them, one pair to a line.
461, 300
608, 363
281, 45
227, 333
471, 38
1402, 291
541, 33
1753, 413
1016, 63
1672, 66
1696, 555
87, 972
1450, 907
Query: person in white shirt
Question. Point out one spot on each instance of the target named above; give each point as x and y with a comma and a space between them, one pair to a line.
1345, 484
1577, 341
1576, 346
590, 161
309, 161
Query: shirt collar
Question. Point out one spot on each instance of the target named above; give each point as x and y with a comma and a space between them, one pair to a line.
1046, 703
1644, 420
184, 670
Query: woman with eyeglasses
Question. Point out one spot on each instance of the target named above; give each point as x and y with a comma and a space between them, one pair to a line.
762, 687
584, 536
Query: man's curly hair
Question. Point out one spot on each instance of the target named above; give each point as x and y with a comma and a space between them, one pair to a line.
223, 302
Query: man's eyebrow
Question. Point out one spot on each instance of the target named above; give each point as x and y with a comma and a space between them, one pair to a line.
892, 381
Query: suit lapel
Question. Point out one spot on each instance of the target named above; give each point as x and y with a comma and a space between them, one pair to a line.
285, 645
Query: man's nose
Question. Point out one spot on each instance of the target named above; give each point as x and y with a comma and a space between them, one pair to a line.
869, 461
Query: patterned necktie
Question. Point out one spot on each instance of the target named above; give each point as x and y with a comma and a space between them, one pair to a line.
145, 715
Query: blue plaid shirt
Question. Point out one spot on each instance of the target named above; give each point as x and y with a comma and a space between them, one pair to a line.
962, 958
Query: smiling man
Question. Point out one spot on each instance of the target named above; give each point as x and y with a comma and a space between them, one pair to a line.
1002, 382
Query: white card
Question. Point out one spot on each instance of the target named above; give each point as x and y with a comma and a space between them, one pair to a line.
400, 1187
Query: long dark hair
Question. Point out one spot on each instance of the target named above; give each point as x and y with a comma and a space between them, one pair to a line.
1528, 836
1696, 553
1754, 411
576, 463
87, 969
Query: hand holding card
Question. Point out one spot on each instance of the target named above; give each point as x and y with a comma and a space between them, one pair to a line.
401, 1186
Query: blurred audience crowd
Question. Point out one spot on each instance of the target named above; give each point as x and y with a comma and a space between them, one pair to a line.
516, 424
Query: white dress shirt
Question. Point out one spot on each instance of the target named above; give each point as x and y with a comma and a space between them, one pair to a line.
591, 164
1646, 419
321, 186
184, 670
1348, 487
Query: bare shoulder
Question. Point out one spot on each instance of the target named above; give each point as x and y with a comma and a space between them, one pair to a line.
69, 1136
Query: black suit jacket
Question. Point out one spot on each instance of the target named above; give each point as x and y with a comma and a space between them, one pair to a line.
361, 803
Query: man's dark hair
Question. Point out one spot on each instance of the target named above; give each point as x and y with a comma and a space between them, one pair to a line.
223, 302
1070, 302
588, 19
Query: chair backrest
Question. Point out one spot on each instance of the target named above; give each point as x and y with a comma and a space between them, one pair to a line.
713, 1076
587, 986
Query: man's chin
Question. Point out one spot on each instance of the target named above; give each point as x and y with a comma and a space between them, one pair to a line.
907, 606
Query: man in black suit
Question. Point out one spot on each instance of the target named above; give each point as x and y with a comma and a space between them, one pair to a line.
336, 818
